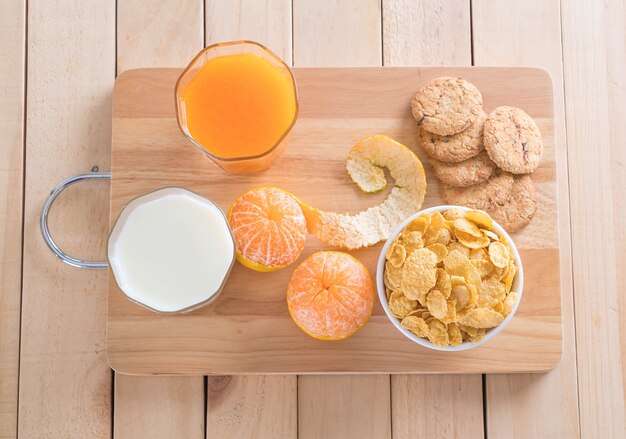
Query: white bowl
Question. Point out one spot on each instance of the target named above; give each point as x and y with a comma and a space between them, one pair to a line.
518, 285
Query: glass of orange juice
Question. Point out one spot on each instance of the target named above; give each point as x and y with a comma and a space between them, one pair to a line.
237, 102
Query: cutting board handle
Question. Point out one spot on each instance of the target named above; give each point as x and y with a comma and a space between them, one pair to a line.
45, 231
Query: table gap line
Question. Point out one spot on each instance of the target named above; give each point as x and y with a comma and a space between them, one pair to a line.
569, 199
24, 126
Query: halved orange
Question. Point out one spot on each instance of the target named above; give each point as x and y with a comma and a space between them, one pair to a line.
269, 228
330, 295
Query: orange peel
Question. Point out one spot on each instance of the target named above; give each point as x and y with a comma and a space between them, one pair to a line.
365, 164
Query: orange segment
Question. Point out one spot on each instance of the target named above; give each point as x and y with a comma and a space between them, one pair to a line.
269, 228
330, 295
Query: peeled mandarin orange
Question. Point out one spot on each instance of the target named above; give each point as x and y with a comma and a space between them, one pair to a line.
330, 295
269, 228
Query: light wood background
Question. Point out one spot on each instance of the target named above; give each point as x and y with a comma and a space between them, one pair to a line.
58, 61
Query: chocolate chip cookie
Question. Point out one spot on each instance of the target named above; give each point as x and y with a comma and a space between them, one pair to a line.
513, 140
457, 147
446, 105
466, 173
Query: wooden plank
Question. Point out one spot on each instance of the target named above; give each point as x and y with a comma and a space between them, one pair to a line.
338, 107
529, 34
159, 33
251, 406
339, 33
427, 33
431, 33
267, 22
156, 33
158, 407
437, 406
346, 406
65, 381
594, 66
12, 53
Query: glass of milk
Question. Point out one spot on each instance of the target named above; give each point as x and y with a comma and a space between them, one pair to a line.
171, 250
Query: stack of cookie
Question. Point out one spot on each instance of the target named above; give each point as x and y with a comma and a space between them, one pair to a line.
484, 161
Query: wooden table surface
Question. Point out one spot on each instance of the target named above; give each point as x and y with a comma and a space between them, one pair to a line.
58, 61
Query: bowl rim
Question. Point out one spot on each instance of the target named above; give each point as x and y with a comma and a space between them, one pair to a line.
518, 283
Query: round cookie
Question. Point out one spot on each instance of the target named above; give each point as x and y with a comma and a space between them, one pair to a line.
457, 147
466, 173
513, 140
446, 105
517, 213
495, 191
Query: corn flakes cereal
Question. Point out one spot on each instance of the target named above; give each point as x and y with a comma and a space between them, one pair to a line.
438, 333
443, 283
416, 325
437, 304
461, 295
481, 318
397, 256
412, 241
454, 334
498, 254
483, 266
419, 273
392, 277
448, 277
400, 305
445, 236
461, 225
439, 250
480, 218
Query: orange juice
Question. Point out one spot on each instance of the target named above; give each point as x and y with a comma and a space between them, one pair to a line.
239, 105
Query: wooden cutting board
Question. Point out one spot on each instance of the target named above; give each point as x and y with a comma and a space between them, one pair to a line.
247, 330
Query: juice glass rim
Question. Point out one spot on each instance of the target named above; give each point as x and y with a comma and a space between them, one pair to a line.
178, 98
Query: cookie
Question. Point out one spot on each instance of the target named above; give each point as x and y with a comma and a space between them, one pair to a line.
517, 213
466, 173
513, 140
446, 105
493, 192
457, 147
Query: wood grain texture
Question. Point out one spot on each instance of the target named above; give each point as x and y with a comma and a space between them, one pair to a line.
12, 71
158, 407
248, 330
427, 33
528, 34
444, 407
594, 66
431, 33
65, 381
337, 33
157, 33
268, 22
252, 406
350, 406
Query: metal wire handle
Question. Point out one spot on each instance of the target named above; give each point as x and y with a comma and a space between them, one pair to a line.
45, 232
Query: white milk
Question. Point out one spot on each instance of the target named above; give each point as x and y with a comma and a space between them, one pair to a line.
171, 249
